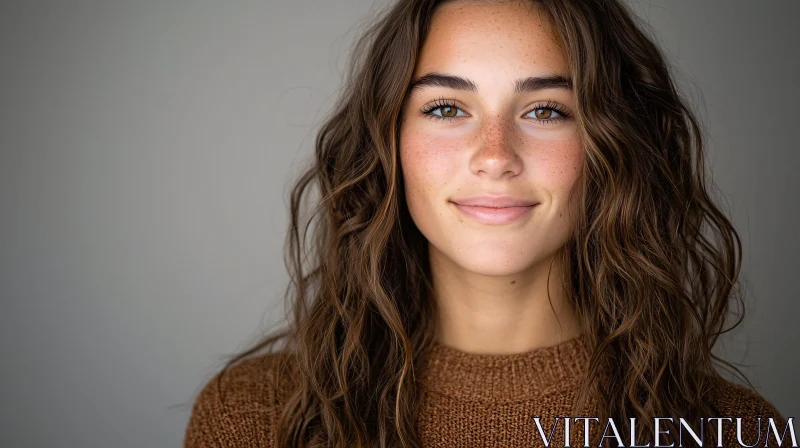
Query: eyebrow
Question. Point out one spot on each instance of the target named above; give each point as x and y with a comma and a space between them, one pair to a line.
530, 84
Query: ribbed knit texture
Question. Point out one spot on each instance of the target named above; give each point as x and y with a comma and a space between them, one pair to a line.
467, 400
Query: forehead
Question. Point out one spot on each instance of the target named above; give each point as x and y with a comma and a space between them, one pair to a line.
487, 39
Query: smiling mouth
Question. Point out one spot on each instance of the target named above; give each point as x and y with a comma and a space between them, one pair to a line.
494, 215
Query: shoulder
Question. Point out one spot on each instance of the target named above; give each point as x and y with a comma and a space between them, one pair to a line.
734, 401
238, 407
732, 398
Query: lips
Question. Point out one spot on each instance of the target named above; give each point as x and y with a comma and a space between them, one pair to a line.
494, 209
494, 201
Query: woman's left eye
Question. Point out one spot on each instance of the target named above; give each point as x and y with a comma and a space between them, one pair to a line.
549, 113
545, 113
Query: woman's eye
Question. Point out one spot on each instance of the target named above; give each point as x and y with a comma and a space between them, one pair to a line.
546, 113
446, 111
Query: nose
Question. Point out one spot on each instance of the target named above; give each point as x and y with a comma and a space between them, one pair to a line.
496, 154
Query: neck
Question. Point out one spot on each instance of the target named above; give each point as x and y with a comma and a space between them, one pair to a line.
501, 314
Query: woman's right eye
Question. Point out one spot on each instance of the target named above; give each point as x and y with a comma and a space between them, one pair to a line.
444, 111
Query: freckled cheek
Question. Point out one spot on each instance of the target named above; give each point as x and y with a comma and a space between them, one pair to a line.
556, 163
429, 162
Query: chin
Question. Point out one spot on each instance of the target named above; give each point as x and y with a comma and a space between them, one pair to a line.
493, 263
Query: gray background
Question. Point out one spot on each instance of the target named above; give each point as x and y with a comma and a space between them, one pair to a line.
146, 152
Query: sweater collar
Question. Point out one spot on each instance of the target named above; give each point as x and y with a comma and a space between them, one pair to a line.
506, 377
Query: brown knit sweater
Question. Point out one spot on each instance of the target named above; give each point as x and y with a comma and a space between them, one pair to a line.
467, 400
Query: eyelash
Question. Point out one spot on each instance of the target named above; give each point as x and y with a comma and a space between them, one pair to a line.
442, 102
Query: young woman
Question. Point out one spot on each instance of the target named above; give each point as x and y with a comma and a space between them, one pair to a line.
513, 229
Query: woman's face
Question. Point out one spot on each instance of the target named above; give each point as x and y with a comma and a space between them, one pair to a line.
488, 147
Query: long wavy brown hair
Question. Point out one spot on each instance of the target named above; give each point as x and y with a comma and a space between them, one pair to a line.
652, 265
